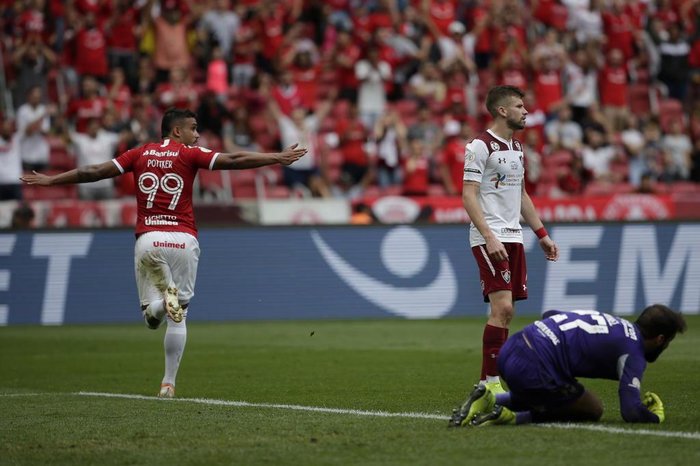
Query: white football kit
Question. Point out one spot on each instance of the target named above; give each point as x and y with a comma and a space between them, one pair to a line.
498, 165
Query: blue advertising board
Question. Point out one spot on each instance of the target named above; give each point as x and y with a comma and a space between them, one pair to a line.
348, 272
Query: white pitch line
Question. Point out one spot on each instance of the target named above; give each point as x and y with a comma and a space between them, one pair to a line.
7, 395
317, 409
620, 430
359, 412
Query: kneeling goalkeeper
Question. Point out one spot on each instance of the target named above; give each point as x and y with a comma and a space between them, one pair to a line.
540, 365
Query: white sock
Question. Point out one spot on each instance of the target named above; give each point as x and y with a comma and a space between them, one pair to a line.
156, 309
174, 345
493, 379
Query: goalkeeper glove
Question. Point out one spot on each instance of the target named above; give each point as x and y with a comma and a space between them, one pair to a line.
653, 403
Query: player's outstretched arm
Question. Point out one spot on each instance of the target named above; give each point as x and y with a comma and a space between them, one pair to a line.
243, 159
86, 174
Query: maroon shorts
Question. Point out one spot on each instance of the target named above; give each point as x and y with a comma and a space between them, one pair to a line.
509, 275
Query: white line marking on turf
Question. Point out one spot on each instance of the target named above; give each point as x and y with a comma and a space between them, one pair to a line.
24, 394
317, 409
359, 412
619, 430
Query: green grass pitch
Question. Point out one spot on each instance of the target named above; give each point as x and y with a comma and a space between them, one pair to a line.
395, 366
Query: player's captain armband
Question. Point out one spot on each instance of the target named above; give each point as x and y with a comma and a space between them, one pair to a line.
541, 233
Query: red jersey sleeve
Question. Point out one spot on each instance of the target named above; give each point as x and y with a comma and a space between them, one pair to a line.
199, 157
125, 161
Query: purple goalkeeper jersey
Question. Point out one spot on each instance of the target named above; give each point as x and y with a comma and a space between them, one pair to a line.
594, 345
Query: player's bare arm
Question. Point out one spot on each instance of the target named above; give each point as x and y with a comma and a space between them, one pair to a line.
470, 200
529, 213
244, 159
86, 174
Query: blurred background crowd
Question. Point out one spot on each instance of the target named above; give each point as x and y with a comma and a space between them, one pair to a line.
384, 93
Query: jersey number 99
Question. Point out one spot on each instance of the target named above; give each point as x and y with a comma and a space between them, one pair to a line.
170, 183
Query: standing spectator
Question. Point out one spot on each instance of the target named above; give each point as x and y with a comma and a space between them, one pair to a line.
10, 163
286, 93
619, 28
673, 70
90, 105
613, 88
494, 198
390, 139
90, 49
302, 127
32, 61
353, 137
533, 161
246, 47
94, 147
598, 154
32, 126
342, 57
172, 50
166, 275
564, 133
222, 23
574, 179
212, 115
217, 75
427, 85
451, 163
119, 93
238, 135
679, 148
426, 129
416, 169
123, 31
373, 75
178, 91
632, 141
548, 87
581, 82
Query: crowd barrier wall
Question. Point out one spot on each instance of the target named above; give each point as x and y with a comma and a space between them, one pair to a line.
344, 272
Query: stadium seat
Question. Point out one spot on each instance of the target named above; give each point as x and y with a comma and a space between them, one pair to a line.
76, 214
277, 192
598, 188
670, 110
638, 98
39, 193
557, 159
436, 190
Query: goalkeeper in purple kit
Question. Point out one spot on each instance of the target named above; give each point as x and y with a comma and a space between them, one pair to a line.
540, 365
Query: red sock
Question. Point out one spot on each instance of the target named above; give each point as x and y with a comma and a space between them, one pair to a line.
493, 339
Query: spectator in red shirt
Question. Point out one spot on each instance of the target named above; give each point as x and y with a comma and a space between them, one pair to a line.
123, 34
613, 89
87, 107
619, 28
178, 91
286, 93
119, 93
416, 169
451, 164
342, 57
90, 52
548, 88
352, 139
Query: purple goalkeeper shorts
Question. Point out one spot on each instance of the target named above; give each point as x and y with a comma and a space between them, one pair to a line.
533, 384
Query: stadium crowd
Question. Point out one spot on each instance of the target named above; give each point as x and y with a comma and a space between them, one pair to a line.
384, 93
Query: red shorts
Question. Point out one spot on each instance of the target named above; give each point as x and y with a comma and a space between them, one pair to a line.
508, 275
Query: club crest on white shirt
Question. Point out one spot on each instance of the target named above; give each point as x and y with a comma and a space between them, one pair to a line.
494, 145
470, 156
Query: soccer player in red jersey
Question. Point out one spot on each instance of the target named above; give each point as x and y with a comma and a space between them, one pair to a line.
167, 251
494, 196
